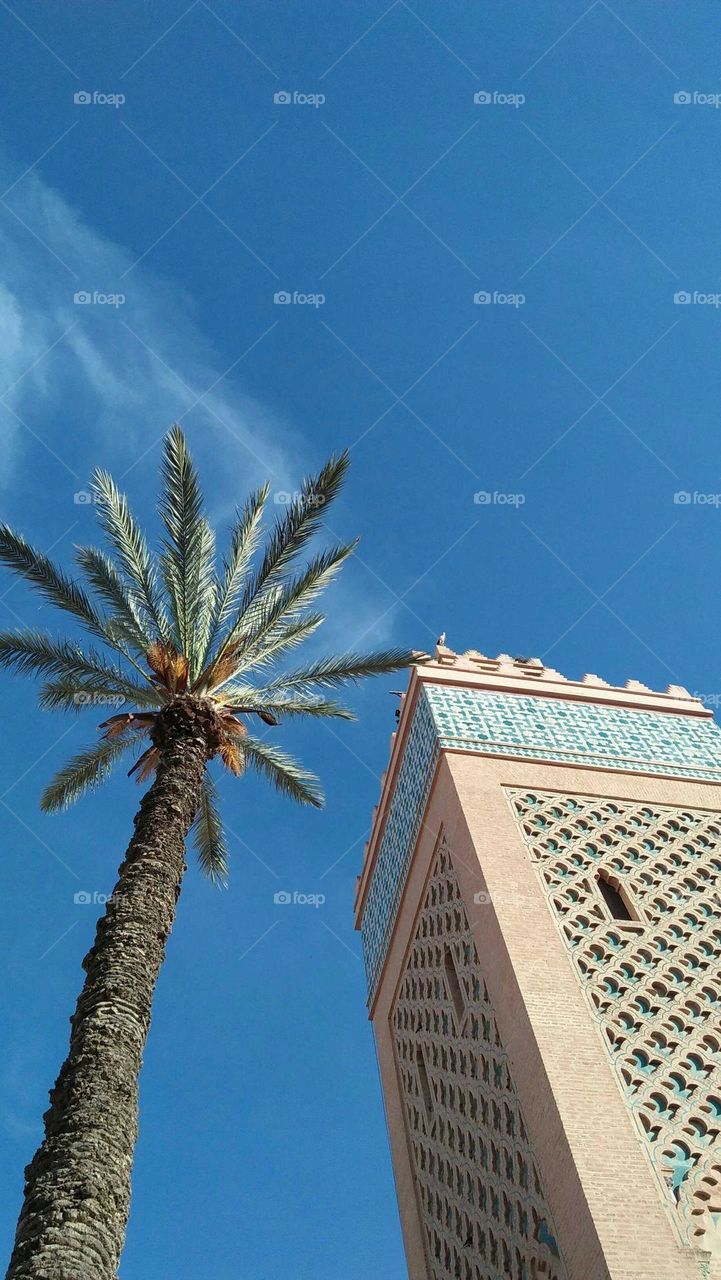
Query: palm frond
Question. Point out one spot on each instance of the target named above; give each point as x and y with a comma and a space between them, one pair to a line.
132, 551
301, 591
286, 601
129, 721
67, 693
170, 667
280, 639
112, 589
188, 567
232, 755
244, 541
206, 590
255, 701
84, 670
84, 771
208, 837
330, 673
50, 581
301, 521
146, 764
286, 774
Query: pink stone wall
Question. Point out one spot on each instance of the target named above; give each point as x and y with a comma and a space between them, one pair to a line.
609, 1210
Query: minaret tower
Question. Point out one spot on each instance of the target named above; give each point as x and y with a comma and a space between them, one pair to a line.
540, 905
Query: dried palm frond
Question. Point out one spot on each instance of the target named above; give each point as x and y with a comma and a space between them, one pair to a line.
232, 756
145, 765
127, 720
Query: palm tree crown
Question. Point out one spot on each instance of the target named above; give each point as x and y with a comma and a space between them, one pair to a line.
179, 625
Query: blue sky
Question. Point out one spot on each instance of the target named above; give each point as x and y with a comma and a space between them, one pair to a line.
577, 401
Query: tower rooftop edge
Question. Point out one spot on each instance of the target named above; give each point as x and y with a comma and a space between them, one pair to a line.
472, 696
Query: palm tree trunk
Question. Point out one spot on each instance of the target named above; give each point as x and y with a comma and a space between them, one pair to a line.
77, 1187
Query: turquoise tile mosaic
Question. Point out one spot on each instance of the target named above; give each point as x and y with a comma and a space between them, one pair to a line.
399, 837
526, 727
539, 728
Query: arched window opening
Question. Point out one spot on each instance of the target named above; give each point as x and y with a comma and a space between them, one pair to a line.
616, 903
424, 1081
454, 986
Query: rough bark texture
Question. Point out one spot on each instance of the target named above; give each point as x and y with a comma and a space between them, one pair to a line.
77, 1188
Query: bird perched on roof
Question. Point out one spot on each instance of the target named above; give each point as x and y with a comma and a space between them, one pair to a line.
442, 638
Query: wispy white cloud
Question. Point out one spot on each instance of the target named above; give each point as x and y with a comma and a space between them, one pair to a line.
118, 374
92, 383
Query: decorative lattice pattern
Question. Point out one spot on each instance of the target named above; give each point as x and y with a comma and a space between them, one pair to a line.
527, 727
480, 1194
652, 982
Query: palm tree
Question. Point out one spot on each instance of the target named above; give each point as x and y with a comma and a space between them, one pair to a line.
191, 646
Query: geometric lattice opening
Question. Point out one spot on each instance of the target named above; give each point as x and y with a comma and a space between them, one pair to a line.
652, 983
454, 986
480, 1196
424, 1081
616, 899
